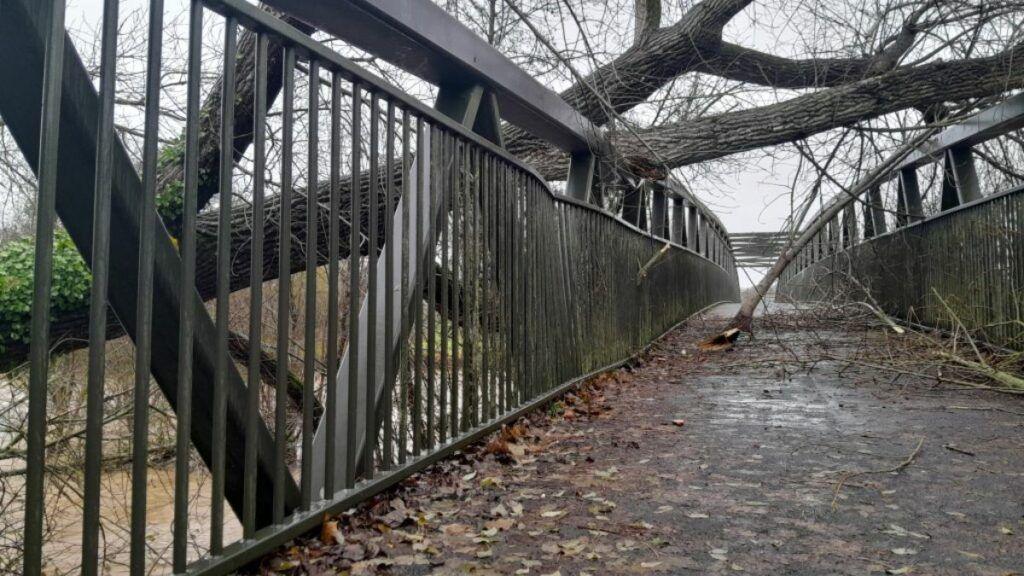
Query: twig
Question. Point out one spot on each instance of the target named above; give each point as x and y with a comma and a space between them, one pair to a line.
986, 409
642, 274
1005, 378
906, 462
958, 450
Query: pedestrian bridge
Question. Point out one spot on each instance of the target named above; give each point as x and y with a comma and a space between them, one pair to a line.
392, 286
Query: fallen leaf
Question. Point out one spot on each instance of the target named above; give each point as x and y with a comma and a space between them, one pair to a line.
330, 534
490, 482
904, 551
554, 513
719, 554
971, 555
454, 529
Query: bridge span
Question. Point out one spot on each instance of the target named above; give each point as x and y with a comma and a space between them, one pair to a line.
349, 300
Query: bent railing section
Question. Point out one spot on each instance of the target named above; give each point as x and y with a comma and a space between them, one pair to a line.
960, 267
423, 287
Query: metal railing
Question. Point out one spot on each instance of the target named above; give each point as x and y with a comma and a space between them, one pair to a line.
961, 267
481, 294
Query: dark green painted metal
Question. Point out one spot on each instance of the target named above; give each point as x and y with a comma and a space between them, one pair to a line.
98, 296
225, 194
309, 312
252, 406
284, 299
353, 290
52, 28
187, 314
333, 298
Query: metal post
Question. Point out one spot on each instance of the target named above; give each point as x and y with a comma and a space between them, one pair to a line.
659, 212
581, 175
849, 226
678, 221
909, 208
965, 176
877, 210
692, 227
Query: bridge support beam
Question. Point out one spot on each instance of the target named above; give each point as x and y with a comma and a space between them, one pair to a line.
659, 211
581, 176
964, 174
692, 228
874, 213
678, 221
634, 206
908, 199
959, 178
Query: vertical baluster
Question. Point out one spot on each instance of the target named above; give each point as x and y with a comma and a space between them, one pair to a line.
144, 294
423, 163
39, 347
484, 195
438, 149
333, 273
407, 244
253, 419
448, 258
389, 283
187, 287
470, 397
98, 295
506, 289
227, 135
510, 269
284, 282
370, 392
354, 244
309, 338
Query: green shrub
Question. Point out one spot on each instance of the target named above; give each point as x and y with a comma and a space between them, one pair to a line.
70, 291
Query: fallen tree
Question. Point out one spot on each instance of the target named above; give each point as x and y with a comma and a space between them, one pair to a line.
744, 318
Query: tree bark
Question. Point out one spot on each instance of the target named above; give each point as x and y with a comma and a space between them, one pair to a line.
720, 135
172, 168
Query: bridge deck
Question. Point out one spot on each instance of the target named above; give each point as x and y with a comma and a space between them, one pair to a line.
748, 482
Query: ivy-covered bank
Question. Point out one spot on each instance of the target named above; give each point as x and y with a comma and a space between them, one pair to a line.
71, 276
71, 281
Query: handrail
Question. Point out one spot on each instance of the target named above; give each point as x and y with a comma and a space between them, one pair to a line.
424, 40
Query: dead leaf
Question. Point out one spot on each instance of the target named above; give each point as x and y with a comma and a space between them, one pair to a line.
330, 534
